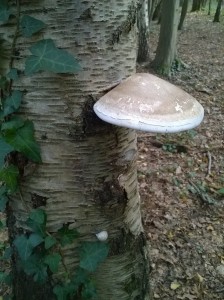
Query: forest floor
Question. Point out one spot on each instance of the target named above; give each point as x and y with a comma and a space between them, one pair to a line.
181, 176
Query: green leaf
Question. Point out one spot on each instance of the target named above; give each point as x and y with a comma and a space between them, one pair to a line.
53, 260
66, 235
35, 266
3, 202
37, 222
47, 57
2, 225
5, 278
12, 103
92, 254
61, 292
13, 74
38, 216
4, 150
13, 124
49, 242
10, 175
7, 253
3, 198
23, 247
35, 239
4, 11
23, 141
30, 25
221, 191
89, 291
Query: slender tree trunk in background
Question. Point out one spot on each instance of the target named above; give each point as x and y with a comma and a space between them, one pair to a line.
157, 10
143, 32
151, 8
218, 11
209, 7
88, 177
196, 5
166, 49
183, 14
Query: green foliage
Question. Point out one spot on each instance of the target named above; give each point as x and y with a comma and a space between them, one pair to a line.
91, 254
30, 26
47, 57
66, 236
221, 191
5, 149
39, 253
12, 103
4, 11
22, 139
9, 175
3, 202
13, 74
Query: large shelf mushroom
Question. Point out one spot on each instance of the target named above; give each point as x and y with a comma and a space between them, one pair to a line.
146, 102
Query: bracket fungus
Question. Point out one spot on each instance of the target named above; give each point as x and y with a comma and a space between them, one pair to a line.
148, 103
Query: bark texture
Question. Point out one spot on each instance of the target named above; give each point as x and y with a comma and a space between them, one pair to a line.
143, 32
166, 49
183, 14
88, 176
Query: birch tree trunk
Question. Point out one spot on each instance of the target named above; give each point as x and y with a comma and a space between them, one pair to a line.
88, 177
166, 49
143, 32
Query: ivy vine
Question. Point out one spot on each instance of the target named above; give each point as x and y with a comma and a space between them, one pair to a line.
40, 253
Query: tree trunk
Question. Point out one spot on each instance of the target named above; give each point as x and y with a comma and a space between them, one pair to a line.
209, 7
157, 11
87, 178
166, 49
196, 5
218, 11
183, 14
143, 32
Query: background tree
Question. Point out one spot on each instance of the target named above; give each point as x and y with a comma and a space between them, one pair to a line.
143, 32
218, 11
196, 5
166, 49
87, 179
183, 14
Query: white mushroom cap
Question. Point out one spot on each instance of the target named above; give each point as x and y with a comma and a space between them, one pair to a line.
148, 103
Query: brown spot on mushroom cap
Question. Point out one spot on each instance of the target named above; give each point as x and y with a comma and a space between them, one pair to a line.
146, 102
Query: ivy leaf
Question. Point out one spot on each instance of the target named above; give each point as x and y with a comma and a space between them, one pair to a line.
53, 260
23, 247
10, 175
66, 235
92, 254
4, 11
3, 198
30, 25
221, 191
13, 124
6, 278
38, 216
47, 57
12, 74
61, 292
3, 202
35, 239
12, 103
4, 150
89, 291
35, 266
49, 242
37, 222
23, 141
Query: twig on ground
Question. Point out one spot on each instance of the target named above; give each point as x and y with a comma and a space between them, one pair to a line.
209, 164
